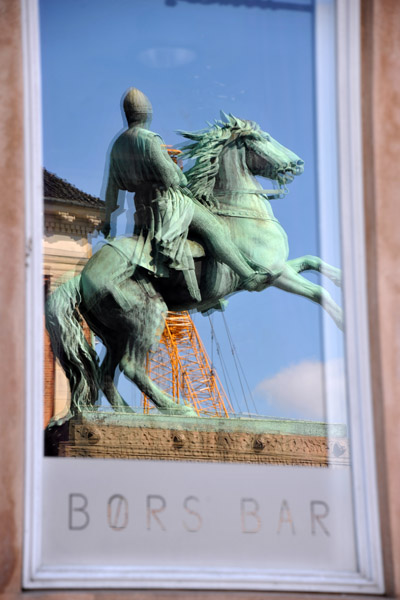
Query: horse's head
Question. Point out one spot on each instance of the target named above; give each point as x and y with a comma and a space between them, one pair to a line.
267, 157
264, 156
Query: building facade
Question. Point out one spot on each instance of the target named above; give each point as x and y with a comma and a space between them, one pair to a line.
380, 20
70, 218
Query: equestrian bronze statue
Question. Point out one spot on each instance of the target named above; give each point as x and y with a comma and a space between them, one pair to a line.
199, 237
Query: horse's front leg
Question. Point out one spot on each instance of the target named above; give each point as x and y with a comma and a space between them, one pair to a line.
291, 281
314, 263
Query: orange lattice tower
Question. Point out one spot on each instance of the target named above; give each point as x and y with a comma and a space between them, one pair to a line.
180, 366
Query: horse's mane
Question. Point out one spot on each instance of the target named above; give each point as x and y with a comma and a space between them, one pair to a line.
206, 149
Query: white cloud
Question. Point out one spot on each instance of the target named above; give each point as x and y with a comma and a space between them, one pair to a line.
298, 391
166, 58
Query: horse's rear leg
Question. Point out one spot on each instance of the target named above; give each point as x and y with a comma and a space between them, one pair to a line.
314, 263
107, 371
143, 327
291, 281
163, 402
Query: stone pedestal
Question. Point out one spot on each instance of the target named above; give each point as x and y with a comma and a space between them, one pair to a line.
157, 437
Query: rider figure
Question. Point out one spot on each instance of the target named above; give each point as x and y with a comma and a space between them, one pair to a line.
164, 209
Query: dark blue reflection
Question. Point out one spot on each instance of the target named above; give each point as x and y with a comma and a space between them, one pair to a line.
269, 4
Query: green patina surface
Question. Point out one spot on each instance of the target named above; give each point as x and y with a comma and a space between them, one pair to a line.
126, 288
235, 425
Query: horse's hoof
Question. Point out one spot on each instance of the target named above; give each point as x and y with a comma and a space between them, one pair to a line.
189, 412
335, 275
181, 410
58, 422
127, 410
337, 280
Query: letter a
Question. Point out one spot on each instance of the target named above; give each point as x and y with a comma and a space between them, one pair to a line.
285, 516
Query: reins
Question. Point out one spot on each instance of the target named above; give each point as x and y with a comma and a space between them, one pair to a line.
243, 214
268, 194
248, 213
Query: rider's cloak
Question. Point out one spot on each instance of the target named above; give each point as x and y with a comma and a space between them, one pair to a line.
139, 163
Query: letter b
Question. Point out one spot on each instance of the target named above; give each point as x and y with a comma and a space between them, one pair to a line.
251, 521
77, 504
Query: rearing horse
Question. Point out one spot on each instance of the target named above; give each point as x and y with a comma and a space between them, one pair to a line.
128, 311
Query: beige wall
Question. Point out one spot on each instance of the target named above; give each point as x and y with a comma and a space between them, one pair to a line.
11, 296
381, 101
381, 129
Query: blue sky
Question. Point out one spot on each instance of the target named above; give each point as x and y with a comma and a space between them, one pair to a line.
193, 59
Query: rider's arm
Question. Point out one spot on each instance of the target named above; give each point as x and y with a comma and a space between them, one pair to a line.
111, 202
164, 169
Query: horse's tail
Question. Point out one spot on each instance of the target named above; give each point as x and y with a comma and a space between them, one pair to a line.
77, 357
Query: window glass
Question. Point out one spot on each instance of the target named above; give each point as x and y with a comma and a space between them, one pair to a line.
243, 478
254, 60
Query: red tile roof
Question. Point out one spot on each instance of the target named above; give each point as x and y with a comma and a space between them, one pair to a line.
58, 189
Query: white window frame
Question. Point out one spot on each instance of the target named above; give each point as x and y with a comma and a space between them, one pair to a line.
370, 576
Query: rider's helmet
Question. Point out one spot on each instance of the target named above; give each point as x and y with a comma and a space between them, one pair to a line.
137, 108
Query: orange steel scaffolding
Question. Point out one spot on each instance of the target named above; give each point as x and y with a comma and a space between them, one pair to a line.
180, 366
